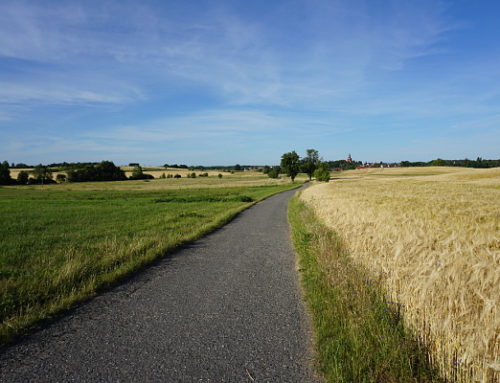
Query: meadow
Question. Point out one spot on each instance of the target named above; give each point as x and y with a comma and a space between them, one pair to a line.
429, 237
61, 244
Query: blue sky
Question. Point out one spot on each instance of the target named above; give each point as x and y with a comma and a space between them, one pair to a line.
225, 82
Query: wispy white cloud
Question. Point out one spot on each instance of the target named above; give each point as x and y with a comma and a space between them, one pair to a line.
239, 57
298, 69
199, 126
16, 93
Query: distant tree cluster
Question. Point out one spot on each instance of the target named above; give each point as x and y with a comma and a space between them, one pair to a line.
20, 165
103, 171
407, 164
41, 175
176, 166
478, 163
65, 166
344, 165
291, 164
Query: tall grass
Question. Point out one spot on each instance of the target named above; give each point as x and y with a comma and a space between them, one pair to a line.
59, 246
433, 242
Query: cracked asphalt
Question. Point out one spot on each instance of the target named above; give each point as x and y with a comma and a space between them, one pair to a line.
226, 308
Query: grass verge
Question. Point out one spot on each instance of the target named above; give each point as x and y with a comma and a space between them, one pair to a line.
359, 335
59, 247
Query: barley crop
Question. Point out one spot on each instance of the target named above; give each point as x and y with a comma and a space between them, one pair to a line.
433, 239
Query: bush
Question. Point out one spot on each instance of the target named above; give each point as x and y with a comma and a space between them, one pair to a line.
163, 176
274, 172
219, 175
322, 173
169, 175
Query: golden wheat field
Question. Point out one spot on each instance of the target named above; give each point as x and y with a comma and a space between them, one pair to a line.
433, 236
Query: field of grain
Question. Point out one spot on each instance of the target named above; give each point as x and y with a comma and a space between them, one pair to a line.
431, 235
62, 243
250, 178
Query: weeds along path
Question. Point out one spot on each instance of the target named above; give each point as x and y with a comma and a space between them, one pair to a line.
226, 308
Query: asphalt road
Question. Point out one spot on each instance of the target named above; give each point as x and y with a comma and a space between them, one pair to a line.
226, 308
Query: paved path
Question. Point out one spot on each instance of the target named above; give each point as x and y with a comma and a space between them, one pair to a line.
226, 308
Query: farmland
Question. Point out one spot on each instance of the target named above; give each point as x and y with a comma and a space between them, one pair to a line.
430, 237
61, 244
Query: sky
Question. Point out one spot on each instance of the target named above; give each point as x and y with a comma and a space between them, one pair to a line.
226, 82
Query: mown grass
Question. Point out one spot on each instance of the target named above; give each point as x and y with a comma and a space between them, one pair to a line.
359, 334
59, 247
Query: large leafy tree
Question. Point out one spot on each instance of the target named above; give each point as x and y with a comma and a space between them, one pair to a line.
290, 164
310, 162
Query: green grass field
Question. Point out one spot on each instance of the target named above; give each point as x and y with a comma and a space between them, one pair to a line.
60, 245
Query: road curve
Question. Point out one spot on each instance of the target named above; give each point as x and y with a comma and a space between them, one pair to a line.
226, 308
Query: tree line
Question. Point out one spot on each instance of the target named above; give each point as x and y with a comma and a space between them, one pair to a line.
81, 172
477, 163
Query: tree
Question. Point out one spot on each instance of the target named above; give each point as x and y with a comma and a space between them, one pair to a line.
310, 162
322, 173
237, 167
137, 172
22, 177
42, 174
5, 174
290, 164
